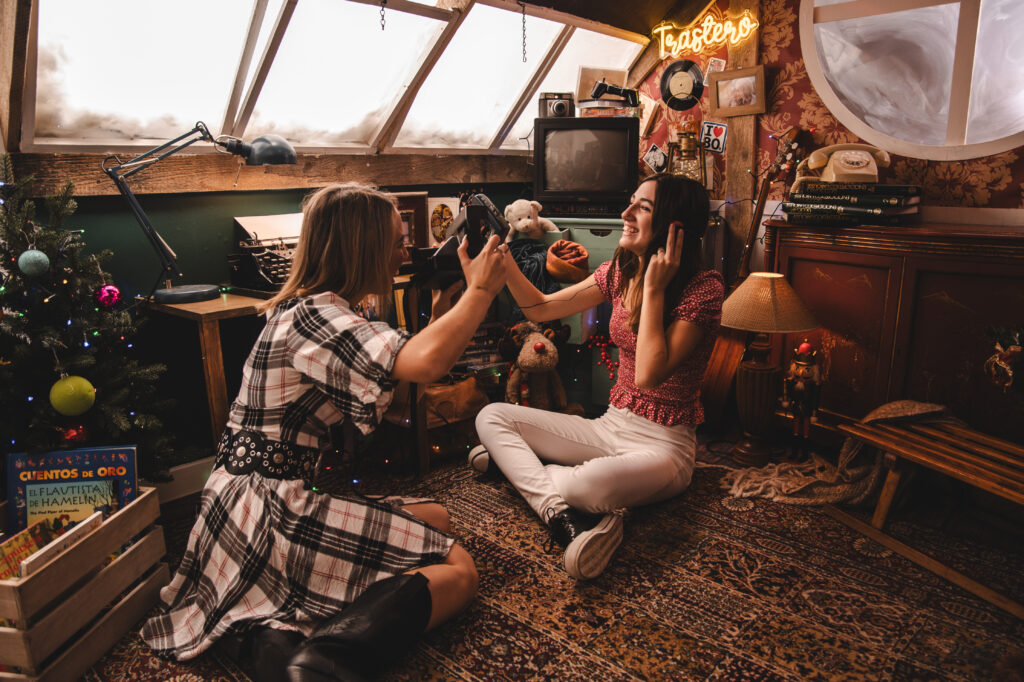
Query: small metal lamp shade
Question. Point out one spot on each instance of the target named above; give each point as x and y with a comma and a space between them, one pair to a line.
764, 303
264, 150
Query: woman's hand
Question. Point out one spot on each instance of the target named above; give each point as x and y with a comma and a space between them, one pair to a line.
487, 270
441, 299
665, 263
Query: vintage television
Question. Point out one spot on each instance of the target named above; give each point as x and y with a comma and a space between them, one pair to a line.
585, 166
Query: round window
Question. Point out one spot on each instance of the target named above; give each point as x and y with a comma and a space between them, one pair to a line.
930, 80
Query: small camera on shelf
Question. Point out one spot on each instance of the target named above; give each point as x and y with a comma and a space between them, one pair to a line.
556, 105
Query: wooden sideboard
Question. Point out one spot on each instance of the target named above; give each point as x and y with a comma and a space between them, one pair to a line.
904, 313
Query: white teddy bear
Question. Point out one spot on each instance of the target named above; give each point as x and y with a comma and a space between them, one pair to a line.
523, 217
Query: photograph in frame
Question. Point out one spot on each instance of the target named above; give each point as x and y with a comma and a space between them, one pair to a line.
737, 92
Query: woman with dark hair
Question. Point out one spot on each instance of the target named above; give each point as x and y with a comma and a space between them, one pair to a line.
272, 560
575, 472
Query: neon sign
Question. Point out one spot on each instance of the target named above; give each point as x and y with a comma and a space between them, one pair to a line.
703, 34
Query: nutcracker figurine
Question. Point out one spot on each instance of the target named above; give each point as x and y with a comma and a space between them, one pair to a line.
801, 391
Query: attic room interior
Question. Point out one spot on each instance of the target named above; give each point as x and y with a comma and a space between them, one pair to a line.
487, 339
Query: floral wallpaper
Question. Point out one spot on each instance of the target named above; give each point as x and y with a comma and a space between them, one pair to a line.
994, 181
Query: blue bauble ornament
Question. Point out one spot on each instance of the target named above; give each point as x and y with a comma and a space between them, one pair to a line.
33, 263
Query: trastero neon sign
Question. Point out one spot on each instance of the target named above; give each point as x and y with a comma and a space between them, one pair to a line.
703, 34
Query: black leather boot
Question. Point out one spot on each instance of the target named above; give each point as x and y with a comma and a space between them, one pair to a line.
382, 623
263, 652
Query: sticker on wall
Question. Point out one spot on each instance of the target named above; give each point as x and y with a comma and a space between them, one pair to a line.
441, 212
714, 64
712, 136
656, 159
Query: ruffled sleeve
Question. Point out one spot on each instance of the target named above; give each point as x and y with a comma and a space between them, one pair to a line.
348, 358
701, 302
604, 279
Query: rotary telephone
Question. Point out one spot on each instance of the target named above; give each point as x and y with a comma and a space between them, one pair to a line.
843, 163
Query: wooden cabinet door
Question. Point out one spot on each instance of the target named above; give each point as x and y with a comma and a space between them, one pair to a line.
854, 297
941, 342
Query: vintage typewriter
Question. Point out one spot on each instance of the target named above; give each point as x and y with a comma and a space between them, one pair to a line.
267, 244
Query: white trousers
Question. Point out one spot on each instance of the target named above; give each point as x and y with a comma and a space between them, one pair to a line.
594, 465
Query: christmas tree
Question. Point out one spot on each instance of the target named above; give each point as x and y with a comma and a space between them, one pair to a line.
67, 375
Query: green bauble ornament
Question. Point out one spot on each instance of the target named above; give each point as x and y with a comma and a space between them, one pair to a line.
33, 262
71, 396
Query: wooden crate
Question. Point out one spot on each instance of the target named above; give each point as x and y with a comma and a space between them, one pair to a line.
74, 609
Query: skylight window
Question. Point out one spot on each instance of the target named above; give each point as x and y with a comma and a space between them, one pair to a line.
337, 75
118, 70
325, 74
477, 79
585, 48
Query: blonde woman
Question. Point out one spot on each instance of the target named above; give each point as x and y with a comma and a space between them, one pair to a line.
576, 473
276, 561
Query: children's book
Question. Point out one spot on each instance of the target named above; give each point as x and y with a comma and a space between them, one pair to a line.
48, 552
22, 545
65, 487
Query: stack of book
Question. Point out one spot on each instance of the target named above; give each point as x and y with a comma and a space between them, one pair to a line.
606, 107
847, 204
482, 350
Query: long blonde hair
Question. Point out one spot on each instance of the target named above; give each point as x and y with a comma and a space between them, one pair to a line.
344, 247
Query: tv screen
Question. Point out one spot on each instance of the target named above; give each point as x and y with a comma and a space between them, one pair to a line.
585, 165
585, 160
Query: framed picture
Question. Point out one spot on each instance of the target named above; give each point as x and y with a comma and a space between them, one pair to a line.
412, 206
737, 92
441, 213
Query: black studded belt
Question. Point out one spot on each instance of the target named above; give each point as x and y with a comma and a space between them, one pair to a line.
246, 452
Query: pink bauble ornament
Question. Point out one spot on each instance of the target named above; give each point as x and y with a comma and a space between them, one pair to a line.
804, 348
108, 295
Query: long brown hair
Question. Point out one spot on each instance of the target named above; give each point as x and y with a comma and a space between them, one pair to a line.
676, 199
344, 247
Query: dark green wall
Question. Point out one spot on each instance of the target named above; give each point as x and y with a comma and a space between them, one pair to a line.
199, 228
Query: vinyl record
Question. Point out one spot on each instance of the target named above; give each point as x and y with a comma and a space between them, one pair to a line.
681, 85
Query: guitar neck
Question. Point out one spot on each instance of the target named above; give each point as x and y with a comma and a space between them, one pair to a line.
755, 224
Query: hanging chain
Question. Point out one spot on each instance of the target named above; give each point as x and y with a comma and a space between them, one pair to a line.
523, 6
382, 3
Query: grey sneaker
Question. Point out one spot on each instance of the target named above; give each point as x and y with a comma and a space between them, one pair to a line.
480, 459
590, 551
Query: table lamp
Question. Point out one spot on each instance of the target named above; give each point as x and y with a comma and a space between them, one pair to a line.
764, 303
267, 149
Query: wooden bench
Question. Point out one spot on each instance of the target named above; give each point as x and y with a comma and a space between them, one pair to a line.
982, 461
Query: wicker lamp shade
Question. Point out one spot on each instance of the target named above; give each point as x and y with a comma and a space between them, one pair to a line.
765, 302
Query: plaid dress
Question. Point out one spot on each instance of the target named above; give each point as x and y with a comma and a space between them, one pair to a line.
264, 549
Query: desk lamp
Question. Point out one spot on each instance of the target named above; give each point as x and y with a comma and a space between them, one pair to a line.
267, 149
764, 303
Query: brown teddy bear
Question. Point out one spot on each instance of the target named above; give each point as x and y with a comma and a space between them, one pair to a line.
533, 380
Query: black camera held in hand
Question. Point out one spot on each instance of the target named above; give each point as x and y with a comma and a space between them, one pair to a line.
556, 105
439, 268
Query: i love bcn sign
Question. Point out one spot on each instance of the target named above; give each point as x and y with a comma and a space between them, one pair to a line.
703, 34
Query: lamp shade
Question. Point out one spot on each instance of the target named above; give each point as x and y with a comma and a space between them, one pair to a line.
264, 150
270, 149
765, 302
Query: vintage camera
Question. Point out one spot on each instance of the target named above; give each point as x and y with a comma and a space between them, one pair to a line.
556, 105
440, 268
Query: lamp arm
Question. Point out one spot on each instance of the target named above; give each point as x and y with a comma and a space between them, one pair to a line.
147, 159
168, 259
119, 172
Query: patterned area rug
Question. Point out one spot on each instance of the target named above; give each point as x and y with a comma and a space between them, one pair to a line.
705, 587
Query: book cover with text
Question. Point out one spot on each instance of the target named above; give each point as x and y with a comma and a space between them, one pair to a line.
65, 487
